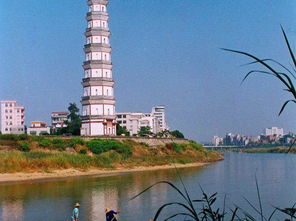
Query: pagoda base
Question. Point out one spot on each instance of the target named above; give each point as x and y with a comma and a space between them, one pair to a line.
98, 128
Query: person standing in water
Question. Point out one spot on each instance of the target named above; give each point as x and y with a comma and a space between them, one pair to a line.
75, 213
110, 215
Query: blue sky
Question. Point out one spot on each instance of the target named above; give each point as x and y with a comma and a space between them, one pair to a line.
164, 52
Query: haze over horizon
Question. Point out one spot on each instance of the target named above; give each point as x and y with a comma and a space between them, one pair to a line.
164, 52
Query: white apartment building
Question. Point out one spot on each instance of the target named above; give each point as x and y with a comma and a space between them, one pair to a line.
159, 113
279, 132
134, 121
37, 128
12, 118
58, 119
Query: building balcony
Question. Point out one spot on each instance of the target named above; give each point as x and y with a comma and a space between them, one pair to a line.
97, 97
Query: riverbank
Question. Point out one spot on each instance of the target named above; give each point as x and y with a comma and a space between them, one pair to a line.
41, 157
10, 178
271, 150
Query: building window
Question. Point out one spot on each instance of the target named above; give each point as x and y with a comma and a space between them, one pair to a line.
119, 116
124, 121
124, 116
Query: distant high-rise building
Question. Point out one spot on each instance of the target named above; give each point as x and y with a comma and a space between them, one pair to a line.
12, 118
217, 141
274, 131
98, 102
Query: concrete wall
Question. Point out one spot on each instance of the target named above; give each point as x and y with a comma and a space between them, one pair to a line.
152, 142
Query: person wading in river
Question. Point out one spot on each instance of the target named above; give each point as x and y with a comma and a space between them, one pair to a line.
110, 215
75, 213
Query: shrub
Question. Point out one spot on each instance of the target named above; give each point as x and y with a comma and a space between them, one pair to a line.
13, 137
23, 146
98, 146
76, 141
196, 146
59, 144
44, 142
83, 151
178, 148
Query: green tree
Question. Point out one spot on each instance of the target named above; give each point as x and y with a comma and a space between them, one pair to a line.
74, 122
121, 130
144, 131
177, 134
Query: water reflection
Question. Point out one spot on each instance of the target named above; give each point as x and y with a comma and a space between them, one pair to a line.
234, 176
39, 201
12, 210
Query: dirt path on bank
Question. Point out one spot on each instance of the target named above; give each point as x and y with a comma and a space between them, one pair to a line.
10, 178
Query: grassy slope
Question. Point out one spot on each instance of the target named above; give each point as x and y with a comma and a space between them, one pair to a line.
52, 157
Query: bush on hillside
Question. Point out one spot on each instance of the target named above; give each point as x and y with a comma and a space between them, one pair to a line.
13, 137
23, 146
59, 144
178, 148
98, 146
196, 146
76, 141
44, 142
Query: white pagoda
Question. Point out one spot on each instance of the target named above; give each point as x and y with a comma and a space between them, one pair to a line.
98, 102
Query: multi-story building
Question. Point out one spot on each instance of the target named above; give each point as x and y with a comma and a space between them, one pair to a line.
274, 131
12, 118
58, 119
159, 113
217, 141
134, 121
38, 128
98, 102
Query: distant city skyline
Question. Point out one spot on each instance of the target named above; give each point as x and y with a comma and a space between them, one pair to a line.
164, 52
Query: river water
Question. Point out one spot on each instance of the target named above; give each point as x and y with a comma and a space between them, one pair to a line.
235, 177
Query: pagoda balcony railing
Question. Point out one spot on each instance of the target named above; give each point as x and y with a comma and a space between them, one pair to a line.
104, 2
97, 29
101, 45
97, 97
87, 117
96, 13
97, 79
97, 62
